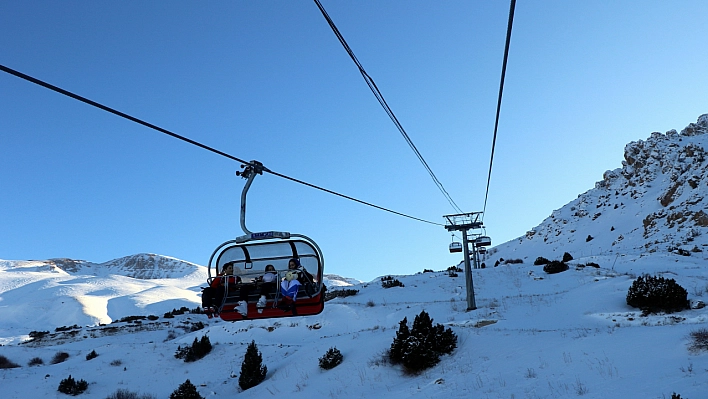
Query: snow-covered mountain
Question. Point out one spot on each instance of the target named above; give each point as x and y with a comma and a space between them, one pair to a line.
67, 292
139, 266
533, 335
656, 203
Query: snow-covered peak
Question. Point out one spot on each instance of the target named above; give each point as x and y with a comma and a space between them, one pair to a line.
148, 266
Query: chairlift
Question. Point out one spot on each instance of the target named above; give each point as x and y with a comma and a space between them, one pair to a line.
482, 250
482, 241
455, 247
251, 253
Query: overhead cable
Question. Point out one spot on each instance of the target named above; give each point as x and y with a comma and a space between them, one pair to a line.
499, 100
190, 141
374, 89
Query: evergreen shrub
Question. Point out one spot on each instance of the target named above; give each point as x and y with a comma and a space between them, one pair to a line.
198, 350
331, 359
420, 347
653, 294
390, 282
567, 257
555, 266
253, 372
91, 355
72, 387
541, 261
186, 390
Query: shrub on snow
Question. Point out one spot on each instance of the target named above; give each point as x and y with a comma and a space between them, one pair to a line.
331, 359
420, 347
654, 294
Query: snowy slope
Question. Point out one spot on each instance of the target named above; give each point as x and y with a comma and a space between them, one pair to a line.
533, 335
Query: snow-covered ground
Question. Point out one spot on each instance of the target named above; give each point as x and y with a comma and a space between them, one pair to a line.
533, 335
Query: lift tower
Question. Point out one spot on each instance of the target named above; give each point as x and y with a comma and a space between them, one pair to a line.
464, 222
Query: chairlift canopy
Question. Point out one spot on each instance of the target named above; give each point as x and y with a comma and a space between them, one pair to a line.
455, 247
482, 241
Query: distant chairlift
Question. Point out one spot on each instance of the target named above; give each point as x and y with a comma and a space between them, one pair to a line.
482, 241
455, 247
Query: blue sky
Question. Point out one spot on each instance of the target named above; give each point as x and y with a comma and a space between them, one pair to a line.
269, 81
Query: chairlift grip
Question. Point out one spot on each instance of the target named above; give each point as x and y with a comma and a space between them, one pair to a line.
249, 172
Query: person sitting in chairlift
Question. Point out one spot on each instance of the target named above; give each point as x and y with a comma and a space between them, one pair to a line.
213, 296
268, 282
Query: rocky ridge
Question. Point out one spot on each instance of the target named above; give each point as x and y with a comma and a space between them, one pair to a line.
655, 202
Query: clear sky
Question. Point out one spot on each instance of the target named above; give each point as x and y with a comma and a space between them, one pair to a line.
268, 80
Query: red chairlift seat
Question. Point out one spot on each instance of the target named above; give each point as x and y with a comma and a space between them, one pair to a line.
250, 254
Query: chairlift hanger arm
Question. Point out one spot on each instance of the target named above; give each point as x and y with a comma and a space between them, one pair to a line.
249, 172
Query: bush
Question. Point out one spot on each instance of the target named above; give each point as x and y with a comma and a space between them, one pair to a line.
700, 340
589, 238
129, 319
653, 294
6, 363
331, 359
513, 261
420, 347
196, 326
555, 266
37, 335
59, 357
91, 355
339, 294
567, 257
126, 394
253, 372
186, 390
35, 361
390, 282
198, 350
65, 328
541, 261
71, 387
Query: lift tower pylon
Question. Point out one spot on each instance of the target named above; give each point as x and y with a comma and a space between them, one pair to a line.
464, 222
